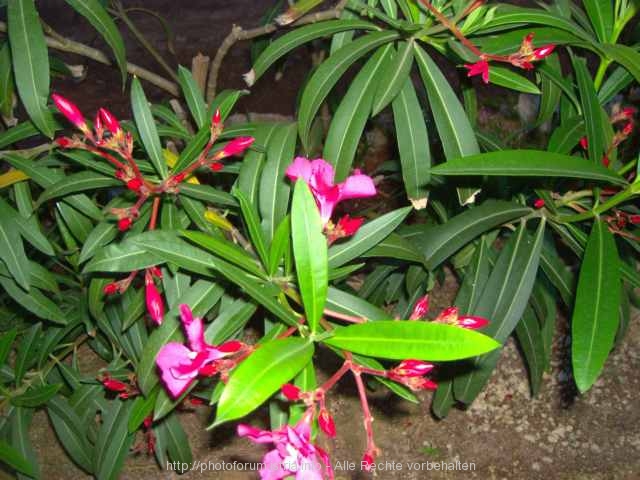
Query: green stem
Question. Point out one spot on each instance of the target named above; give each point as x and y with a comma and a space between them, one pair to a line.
603, 207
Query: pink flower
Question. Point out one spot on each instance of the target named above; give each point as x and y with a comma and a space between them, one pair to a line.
70, 110
420, 309
181, 365
319, 175
349, 226
413, 368
450, 316
479, 68
294, 454
237, 146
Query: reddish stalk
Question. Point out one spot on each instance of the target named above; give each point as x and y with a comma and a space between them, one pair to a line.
344, 316
368, 418
154, 213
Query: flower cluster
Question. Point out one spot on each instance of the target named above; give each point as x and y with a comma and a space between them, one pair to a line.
108, 140
523, 58
320, 175
620, 115
180, 365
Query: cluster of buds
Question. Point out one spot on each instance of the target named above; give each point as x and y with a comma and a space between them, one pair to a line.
523, 58
148, 445
619, 115
621, 219
154, 301
412, 373
122, 389
108, 140
448, 316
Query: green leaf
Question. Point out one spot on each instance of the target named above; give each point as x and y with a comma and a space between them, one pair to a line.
626, 56
30, 62
367, 237
399, 340
122, 257
567, 135
98, 17
6, 342
395, 246
310, 253
557, 272
328, 74
601, 15
343, 302
349, 120
528, 163
193, 95
442, 241
394, 76
226, 250
14, 459
208, 194
591, 109
413, 143
616, 81
454, 128
595, 315
71, 432
36, 396
280, 246
77, 182
7, 85
260, 375
249, 176
113, 441
284, 44
19, 440
19, 132
530, 339
506, 77
503, 302
147, 128
101, 235
551, 93
274, 187
142, 408
172, 437
11, 248
251, 219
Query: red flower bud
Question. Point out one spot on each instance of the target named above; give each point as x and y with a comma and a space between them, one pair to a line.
420, 383
208, 370
110, 288
196, 401
63, 142
543, 52
413, 368
148, 421
367, 462
290, 392
155, 306
110, 121
349, 226
231, 346
538, 203
584, 143
179, 178
216, 166
326, 423
420, 309
155, 271
134, 184
627, 129
114, 385
119, 174
124, 224
217, 117
634, 219
237, 146
605, 160
628, 112
472, 323
69, 110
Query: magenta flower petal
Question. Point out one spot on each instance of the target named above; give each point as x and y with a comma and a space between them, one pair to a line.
175, 356
272, 469
357, 186
193, 328
256, 435
322, 174
300, 168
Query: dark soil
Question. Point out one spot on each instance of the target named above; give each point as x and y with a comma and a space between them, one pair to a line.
506, 434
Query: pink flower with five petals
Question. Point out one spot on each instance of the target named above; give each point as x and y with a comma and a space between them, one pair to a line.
319, 175
294, 454
180, 365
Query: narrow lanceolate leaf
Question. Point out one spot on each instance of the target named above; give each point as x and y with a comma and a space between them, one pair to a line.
601, 15
20, 441
251, 219
78, 182
249, 176
193, 95
508, 78
344, 302
530, 339
393, 76
274, 187
566, 136
367, 237
260, 375
122, 257
413, 144
454, 127
591, 109
30, 62
113, 441
36, 396
71, 432
502, 302
7, 85
441, 241
551, 93
595, 314
281, 46
98, 17
626, 56
12, 457
310, 253
399, 340
6, 342
11, 248
528, 163
100, 236
328, 74
147, 127
352, 114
